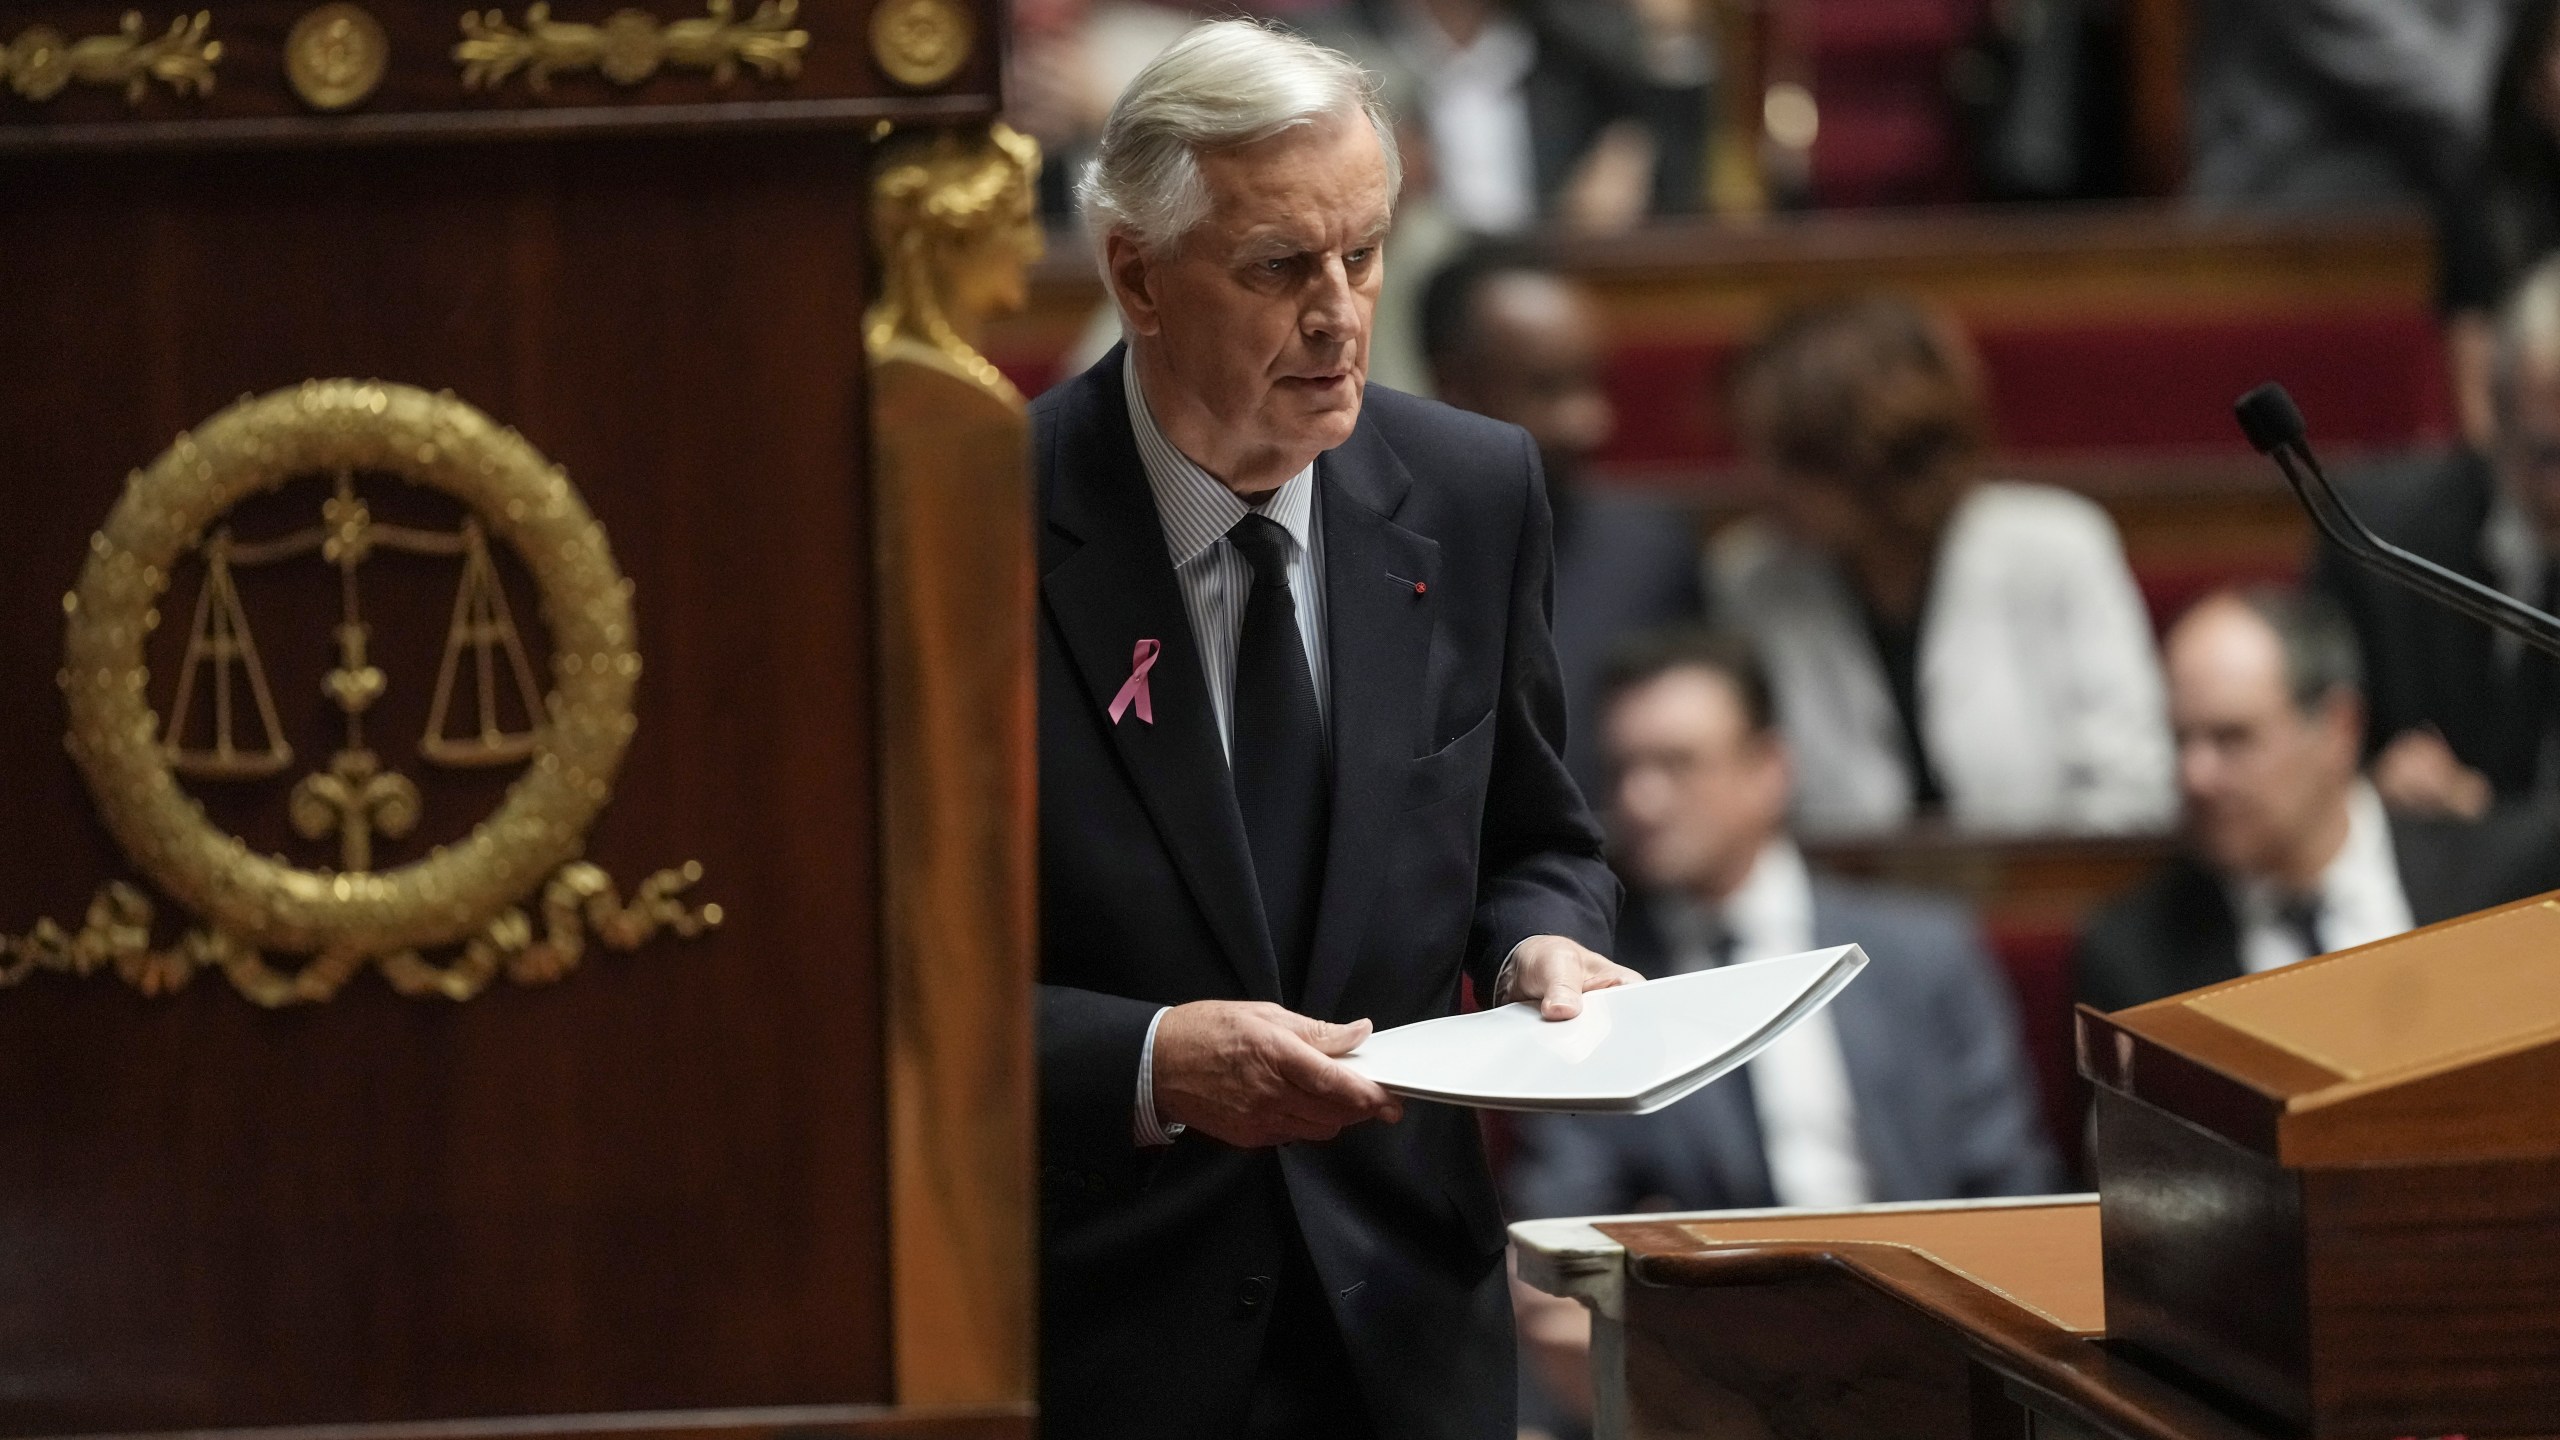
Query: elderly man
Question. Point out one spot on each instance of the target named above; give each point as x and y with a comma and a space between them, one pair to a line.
2291, 854
1300, 775
2464, 716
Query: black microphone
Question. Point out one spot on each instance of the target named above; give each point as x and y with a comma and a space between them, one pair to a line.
2275, 426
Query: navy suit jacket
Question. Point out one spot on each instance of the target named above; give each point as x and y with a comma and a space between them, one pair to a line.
1455, 834
1946, 1106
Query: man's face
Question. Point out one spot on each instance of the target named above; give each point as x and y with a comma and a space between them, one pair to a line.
2529, 446
1254, 328
1696, 793
2258, 775
1535, 362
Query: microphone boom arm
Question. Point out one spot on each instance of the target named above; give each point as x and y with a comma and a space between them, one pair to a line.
2275, 426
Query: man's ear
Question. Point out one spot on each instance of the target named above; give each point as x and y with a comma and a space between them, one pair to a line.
1130, 270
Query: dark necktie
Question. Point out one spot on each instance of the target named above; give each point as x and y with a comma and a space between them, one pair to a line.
1278, 755
2300, 917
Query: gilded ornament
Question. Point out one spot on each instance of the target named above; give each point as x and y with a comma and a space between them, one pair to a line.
630, 46
467, 894
921, 43
335, 55
43, 62
956, 218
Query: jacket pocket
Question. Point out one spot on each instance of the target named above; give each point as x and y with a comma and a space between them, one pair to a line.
1453, 768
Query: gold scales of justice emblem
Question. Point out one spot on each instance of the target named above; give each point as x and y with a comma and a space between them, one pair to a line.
469, 897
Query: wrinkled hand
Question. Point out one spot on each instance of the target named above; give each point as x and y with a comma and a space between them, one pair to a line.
1553, 972
2419, 773
1252, 1074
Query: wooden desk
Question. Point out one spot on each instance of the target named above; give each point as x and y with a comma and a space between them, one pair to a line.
1886, 1322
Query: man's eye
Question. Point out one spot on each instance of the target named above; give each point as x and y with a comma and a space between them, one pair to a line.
1360, 256
1279, 266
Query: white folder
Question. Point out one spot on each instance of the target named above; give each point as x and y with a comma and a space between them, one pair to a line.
1633, 1049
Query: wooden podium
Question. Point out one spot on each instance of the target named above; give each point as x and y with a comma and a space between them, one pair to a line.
517, 910
2328, 1209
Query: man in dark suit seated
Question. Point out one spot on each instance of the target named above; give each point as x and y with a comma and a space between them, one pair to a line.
1507, 336
2290, 853
2461, 715
1912, 1085
1299, 774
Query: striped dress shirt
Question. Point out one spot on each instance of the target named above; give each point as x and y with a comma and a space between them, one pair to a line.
1197, 512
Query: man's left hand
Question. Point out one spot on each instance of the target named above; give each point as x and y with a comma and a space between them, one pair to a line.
1553, 972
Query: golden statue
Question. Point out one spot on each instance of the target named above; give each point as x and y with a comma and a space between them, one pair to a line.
955, 218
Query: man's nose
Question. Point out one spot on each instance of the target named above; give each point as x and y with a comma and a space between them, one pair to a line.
1330, 313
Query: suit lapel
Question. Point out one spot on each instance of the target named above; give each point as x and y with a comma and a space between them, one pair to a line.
1112, 589
1377, 640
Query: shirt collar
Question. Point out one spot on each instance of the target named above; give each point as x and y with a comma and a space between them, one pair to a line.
1772, 913
1769, 915
1194, 508
2364, 863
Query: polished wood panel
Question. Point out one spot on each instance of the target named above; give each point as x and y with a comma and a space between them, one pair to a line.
2384, 1054
2044, 1257
952, 517
2329, 1189
798, 1422
659, 1183
1867, 1335
2015, 884
422, 96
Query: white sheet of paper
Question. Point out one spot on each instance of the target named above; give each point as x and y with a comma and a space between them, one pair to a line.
1633, 1049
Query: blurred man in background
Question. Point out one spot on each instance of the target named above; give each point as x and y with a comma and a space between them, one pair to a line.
2463, 715
2290, 853
1508, 337
1912, 1085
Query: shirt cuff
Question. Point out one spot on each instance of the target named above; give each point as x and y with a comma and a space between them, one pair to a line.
1502, 977
1149, 1130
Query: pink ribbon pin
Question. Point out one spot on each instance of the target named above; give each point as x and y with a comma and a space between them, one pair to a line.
1134, 691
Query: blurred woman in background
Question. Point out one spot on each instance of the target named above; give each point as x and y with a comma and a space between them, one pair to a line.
1940, 645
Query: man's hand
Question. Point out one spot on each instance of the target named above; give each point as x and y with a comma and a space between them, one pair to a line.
1553, 972
2419, 773
1252, 1074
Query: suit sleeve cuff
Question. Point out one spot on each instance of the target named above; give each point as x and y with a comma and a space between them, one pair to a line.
1149, 1129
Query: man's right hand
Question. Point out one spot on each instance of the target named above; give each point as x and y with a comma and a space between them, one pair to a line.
2419, 773
1252, 1074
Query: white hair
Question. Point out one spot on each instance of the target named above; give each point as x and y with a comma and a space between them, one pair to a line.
2528, 333
1224, 83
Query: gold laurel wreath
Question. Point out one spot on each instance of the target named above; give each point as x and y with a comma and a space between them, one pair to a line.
466, 893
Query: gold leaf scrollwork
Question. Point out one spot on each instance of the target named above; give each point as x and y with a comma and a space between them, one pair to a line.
42, 62
630, 46
246, 907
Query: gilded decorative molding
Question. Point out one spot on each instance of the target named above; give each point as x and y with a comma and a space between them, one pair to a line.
630, 46
956, 219
921, 43
335, 56
42, 62
468, 893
